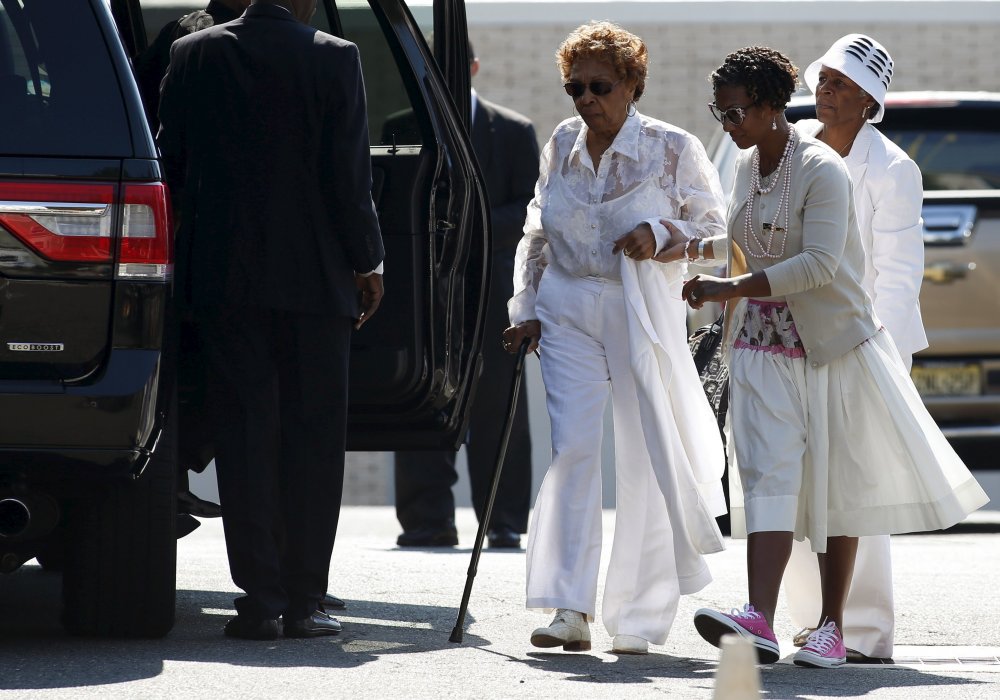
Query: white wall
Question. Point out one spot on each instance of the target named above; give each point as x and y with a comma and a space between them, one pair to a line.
936, 46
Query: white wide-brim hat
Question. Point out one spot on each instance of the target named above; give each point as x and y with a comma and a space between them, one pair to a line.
863, 60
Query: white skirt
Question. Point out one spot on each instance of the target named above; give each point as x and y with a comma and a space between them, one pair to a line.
844, 449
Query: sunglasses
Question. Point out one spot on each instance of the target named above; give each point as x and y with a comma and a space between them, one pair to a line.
598, 88
733, 115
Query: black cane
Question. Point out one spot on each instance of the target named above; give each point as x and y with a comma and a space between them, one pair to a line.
515, 389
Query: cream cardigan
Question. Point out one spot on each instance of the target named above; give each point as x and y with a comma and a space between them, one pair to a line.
819, 276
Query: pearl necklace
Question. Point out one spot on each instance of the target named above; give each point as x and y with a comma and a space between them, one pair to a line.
767, 248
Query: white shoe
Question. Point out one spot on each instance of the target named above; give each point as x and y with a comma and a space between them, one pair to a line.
629, 644
569, 629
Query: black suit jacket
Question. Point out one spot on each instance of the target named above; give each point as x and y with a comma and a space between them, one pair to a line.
264, 137
505, 144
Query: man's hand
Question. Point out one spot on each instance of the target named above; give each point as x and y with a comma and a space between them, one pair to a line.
638, 244
371, 292
675, 248
515, 335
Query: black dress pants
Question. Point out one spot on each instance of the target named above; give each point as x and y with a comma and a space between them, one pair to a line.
424, 478
278, 397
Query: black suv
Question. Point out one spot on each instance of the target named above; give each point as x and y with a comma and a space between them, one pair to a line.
88, 437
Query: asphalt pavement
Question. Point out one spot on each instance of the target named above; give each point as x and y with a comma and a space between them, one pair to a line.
402, 606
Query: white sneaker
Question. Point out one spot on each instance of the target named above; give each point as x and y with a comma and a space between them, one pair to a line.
569, 629
629, 644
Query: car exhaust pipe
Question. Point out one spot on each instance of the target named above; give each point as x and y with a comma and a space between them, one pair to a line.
15, 517
26, 515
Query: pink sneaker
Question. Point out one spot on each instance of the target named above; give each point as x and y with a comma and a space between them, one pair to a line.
748, 623
823, 649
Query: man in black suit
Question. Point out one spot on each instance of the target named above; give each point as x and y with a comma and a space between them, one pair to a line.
264, 136
507, 150
194, 445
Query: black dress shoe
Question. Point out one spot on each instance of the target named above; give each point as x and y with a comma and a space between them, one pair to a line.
243, 627
440, 536
319, 624
504, 537
188, 503
331, 602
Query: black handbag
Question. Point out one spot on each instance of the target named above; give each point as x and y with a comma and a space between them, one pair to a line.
706, 350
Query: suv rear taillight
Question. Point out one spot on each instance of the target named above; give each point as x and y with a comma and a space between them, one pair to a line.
73, 223
145, 250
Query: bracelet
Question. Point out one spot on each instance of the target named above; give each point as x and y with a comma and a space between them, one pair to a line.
687, 246
701, 249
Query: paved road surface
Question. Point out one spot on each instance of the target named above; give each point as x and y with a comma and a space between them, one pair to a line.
402, 608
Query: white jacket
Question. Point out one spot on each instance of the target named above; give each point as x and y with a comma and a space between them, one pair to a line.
678, 425
888, 194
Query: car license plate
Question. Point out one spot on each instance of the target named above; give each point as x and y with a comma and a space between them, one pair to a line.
947, 380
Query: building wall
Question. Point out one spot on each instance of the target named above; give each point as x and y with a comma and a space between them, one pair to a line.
936, 45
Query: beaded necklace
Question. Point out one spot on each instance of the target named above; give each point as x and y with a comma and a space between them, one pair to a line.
756, 188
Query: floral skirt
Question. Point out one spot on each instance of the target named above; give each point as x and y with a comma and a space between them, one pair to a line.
845, 448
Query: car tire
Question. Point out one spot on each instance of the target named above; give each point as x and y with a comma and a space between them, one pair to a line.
121, 560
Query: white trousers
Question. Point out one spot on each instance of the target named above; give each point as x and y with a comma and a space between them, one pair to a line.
869, 616
584, 357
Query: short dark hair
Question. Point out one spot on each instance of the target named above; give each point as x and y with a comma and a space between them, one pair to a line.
768, 76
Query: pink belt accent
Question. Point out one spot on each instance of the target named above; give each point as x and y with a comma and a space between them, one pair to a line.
768, 326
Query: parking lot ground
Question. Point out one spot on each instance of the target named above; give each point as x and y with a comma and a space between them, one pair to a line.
401, 610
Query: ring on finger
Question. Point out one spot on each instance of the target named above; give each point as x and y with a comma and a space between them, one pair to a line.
694, 296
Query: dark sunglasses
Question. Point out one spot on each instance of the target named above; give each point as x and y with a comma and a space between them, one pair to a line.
598, 88
733, 115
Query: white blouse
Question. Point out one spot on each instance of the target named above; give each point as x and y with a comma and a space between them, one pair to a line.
651, 171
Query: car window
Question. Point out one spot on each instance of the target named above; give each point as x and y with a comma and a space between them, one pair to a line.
953, 160
59, 95
390, 109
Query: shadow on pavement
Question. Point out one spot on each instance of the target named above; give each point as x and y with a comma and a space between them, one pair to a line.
35, 652
783, 680
621, 668
790, 682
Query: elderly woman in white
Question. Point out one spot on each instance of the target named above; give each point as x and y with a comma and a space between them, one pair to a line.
850, 82
609, 320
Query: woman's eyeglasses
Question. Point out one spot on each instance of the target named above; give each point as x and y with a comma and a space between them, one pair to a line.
598, 88
733, 115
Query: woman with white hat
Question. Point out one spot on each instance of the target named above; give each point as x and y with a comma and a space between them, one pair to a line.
850, 82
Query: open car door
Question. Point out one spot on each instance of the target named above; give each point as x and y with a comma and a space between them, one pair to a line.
413, 366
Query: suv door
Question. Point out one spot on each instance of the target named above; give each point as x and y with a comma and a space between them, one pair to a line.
413, 365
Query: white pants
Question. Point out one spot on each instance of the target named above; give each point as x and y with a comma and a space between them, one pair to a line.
869, 616
584, 355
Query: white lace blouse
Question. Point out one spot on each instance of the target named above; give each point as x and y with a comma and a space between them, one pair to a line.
652, 171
